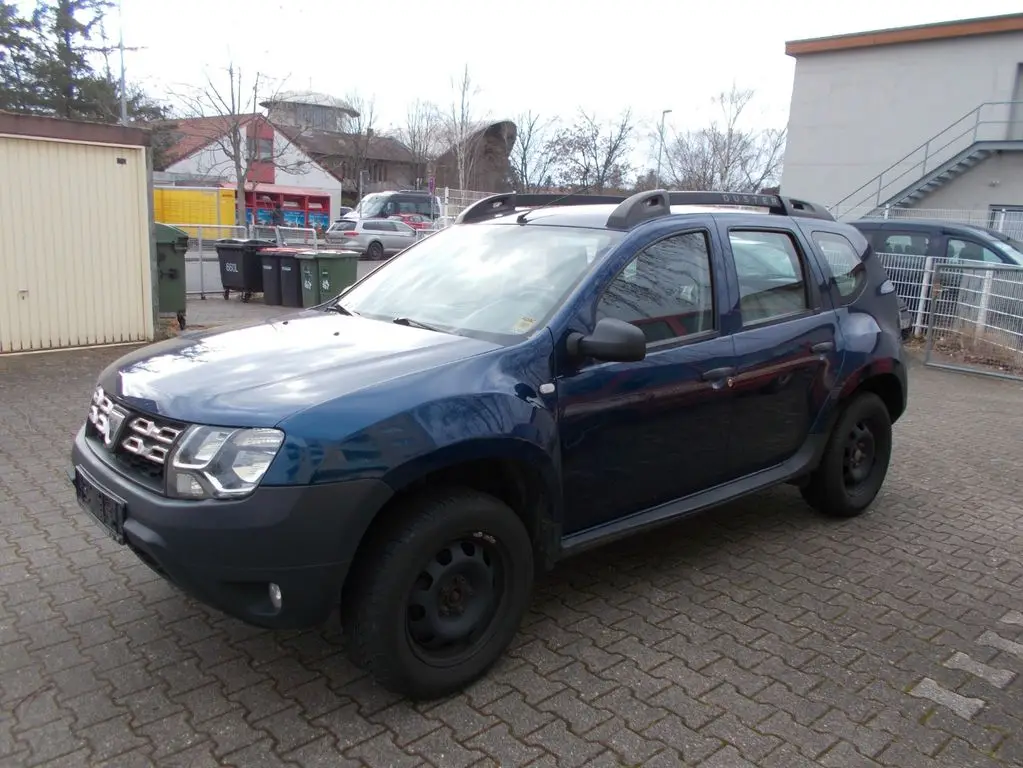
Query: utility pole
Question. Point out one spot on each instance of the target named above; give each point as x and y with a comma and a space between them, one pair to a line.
120, 45
660, 146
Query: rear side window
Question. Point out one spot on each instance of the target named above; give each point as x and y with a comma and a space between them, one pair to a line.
847, 272
967, 250
911, 243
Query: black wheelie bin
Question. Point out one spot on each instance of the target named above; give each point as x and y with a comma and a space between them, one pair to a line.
241, 267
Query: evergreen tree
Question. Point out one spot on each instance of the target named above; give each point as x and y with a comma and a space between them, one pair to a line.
68, 34
47, 64
18, 57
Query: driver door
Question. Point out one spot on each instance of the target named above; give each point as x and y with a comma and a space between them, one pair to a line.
638, 434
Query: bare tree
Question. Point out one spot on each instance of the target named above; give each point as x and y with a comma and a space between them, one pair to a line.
421, 134
227, 112
594, 154
462, 127
361, 130
535, 155
726, 155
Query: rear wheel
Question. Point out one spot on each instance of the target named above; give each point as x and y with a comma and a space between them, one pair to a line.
439, 594
375, 251
855, 461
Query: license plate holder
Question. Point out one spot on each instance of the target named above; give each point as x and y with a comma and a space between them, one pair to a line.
107, 509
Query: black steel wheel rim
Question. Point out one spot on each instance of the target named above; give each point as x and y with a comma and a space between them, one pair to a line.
860, 455
453, 601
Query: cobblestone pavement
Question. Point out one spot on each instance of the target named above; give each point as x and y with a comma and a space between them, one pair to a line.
759, 634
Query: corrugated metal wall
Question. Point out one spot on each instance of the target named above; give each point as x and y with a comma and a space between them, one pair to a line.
74, 245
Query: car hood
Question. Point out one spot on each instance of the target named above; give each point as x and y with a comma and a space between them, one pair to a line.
257, 374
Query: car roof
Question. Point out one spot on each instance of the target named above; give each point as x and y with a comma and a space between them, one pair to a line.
953, 226
595, 216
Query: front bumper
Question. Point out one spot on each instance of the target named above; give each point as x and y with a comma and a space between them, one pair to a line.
227, 553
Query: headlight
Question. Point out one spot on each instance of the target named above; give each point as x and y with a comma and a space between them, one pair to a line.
221, 463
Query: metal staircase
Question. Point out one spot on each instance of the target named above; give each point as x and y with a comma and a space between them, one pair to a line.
945, 156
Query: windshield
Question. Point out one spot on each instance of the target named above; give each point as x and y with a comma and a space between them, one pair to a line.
478, 279
371, 205
1014, 253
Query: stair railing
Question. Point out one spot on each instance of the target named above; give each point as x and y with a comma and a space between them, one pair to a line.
960, 134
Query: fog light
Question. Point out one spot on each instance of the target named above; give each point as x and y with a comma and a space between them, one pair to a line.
275, 597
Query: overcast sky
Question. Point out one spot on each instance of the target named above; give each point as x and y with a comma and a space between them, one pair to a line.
550, 56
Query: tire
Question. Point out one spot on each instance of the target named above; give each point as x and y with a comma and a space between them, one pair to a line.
465, 539
375, 251
839, 487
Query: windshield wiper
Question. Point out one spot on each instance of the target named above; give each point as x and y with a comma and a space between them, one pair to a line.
340, 309
415, 324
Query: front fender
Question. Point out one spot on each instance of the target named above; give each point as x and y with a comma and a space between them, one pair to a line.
476, 449
426, 435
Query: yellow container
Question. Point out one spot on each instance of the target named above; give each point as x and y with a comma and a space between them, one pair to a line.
188, 207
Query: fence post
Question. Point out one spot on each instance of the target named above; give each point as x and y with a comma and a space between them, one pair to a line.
918, 321
985, 302
202, 269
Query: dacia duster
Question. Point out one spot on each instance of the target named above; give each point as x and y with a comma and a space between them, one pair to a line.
546, 375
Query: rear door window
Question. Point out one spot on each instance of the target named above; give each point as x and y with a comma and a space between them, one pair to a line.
911, 243
772, 282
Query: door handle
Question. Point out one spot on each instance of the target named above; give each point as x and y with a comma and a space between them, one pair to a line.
821, 347
716, 374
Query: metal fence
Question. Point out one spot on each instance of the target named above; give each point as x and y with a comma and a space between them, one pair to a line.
454, 201
202, 270
975, 319
291, 236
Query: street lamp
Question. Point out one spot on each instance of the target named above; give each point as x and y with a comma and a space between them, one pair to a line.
660, 146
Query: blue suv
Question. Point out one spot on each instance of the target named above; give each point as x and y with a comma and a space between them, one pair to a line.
546, 375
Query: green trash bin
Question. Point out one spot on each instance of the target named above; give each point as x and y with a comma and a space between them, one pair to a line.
171, 246
307, 270
336, 270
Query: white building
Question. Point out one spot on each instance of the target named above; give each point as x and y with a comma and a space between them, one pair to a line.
926, 117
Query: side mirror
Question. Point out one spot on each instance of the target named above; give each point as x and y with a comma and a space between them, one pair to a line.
611, 341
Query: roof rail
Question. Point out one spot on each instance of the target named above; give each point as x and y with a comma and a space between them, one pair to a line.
643, 206
507, 202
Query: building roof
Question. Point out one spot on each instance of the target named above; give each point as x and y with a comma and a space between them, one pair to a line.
193, 134
39, 126
340, 145
988, 25
312, 98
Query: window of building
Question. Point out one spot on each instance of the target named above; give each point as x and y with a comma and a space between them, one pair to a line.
772, 282
261, 150
666, 290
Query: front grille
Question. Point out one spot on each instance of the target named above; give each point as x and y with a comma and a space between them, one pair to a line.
139, 443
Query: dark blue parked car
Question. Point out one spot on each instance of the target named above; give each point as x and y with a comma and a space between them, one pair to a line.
546, 375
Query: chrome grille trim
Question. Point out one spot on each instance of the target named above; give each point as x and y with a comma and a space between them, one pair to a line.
131, 436
150, 440
106, 417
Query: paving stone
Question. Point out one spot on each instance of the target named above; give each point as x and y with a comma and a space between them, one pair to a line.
759, 635
963, 706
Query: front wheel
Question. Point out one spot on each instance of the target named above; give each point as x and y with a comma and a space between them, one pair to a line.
855, 461
439, 593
